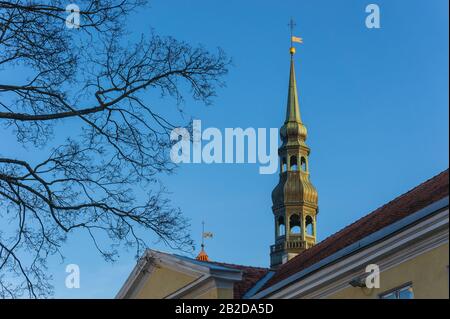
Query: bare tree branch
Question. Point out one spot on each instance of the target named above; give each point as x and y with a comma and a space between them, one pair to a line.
94, 181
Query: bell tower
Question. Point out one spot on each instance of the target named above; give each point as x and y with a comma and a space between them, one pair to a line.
295, 200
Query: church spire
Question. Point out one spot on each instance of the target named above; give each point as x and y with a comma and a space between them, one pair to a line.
295, 200
293, 109
203, 256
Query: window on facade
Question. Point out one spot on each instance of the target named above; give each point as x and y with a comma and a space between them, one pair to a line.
309, 224
294, 224
293, 163
405, 292
303, 164
281, 226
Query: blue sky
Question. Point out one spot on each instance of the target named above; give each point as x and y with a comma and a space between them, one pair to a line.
375, 102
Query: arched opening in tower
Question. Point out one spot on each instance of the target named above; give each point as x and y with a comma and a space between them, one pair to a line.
281, 227
294, 224
293, 163
283, 165
303, 164
309, 224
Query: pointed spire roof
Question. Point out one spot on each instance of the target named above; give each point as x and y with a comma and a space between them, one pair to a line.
202, 256
293, 109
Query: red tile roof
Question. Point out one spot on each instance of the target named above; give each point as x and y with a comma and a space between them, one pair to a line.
419, 197
250, 276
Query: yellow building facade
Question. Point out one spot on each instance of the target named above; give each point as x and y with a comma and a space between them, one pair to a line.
159, 275
427, 274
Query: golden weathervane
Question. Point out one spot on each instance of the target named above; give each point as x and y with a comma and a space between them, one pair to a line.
294, 39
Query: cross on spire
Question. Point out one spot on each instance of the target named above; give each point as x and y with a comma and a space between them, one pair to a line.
291, 26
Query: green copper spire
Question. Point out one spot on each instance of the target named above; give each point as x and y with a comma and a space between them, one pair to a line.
293, 109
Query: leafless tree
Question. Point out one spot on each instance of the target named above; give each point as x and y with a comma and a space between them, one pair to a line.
94, 79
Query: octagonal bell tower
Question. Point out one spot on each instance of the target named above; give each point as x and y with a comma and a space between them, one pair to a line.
295, 199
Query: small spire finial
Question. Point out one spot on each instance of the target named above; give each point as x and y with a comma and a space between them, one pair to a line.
292, 25
202, 256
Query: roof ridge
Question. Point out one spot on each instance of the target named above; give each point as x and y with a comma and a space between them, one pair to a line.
238, 265
376, 210
218, 263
